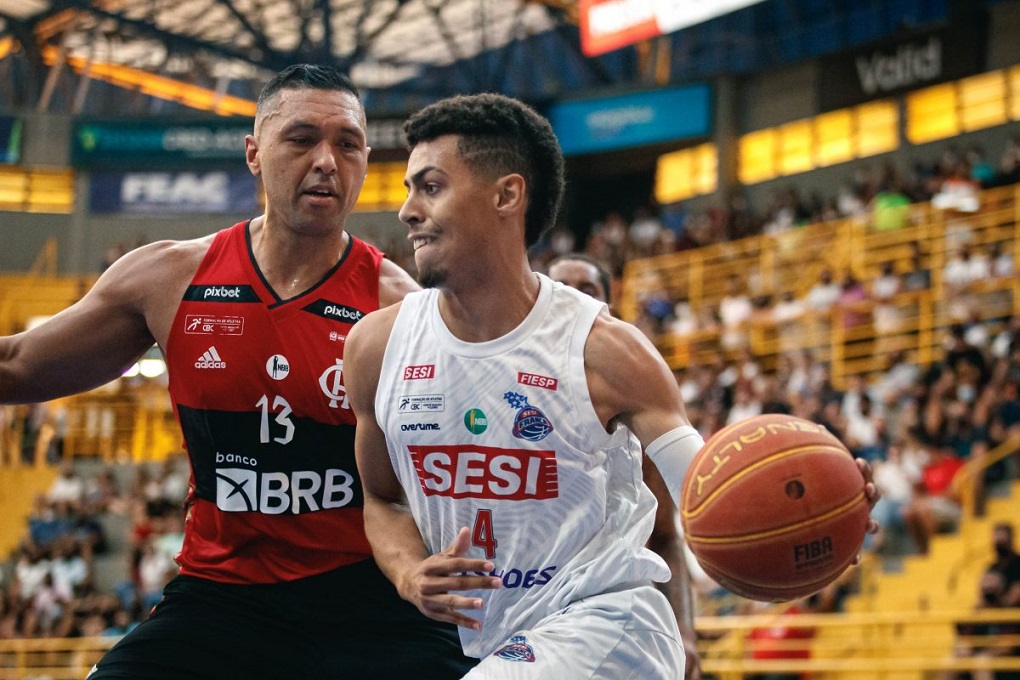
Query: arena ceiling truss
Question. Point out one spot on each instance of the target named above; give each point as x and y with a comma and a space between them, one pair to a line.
215, 51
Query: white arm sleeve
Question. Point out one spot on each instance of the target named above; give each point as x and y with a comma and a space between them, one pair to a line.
672, 453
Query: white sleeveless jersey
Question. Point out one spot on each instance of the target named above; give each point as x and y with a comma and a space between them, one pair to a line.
502, 437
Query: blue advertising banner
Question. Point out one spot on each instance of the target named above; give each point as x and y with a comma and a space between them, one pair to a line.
158, 144
632, 120
173, 193
10, 139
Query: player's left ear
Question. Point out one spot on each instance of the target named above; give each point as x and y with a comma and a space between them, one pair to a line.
510, 194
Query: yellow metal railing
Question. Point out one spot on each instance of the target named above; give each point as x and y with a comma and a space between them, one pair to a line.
875, 646
872, 645
792, 261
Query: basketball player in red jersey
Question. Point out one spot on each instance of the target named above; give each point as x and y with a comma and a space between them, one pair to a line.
587, 275
277, 578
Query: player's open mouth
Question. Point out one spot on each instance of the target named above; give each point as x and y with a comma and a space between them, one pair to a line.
320, 192
421, 241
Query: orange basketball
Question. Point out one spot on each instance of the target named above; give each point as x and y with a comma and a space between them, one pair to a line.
774, 508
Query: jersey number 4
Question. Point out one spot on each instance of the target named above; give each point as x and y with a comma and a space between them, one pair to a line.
481, 534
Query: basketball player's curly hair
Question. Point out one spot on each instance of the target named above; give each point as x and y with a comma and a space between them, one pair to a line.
498, 136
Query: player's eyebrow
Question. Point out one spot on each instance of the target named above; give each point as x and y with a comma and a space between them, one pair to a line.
416, 178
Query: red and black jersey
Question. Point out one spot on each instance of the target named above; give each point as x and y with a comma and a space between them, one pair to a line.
257, 385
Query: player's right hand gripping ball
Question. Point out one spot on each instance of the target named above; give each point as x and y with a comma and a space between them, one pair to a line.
774, 507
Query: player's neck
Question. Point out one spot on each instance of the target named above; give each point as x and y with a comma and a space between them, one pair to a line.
491, 308
292, 263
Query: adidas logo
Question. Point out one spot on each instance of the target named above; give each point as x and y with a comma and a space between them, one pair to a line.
210, 359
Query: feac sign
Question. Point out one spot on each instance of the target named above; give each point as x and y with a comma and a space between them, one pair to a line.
210, 190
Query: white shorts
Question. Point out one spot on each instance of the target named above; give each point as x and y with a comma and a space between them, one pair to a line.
626, 635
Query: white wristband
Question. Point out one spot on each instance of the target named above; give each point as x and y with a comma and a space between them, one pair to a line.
672, 454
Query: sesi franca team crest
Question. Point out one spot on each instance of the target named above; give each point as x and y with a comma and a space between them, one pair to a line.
530, 423
517, 649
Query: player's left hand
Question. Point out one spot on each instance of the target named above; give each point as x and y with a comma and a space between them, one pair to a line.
432, 585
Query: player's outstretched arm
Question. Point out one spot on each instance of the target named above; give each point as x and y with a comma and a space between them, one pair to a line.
428, 581
97, 338
631, 384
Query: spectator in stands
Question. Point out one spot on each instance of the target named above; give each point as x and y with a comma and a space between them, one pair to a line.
171, 482
1006, 563
896, 380
68, 568
935, 506
48, 522
865, 433
918, 275
782, 640
850, 301
656, 311
1009, 164
645, 233
685, 320
959, 352
958, 191
981, 171
745, 404
1001, 260
68, 487
772, 398
823, 295
123, 622
849, 203
735, 312
1007, 338
786, 315
890, 206
978, 640
896, 475
963, 270
102, 493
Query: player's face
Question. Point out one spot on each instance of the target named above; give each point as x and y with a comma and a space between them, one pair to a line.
448, 211
310, 151
581, 275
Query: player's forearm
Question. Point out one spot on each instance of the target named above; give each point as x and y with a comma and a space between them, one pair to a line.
397, 544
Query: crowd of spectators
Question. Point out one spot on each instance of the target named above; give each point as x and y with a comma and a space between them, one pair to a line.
879, 194
48, 587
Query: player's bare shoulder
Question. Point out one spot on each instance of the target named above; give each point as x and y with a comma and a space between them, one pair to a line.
153, 278
364, 350
623, 368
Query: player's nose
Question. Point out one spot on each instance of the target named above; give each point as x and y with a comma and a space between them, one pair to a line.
323, 158
410, 212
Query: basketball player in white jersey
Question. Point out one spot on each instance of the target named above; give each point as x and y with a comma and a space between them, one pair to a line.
501, 419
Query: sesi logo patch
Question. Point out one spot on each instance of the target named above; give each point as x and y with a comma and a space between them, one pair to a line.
535, 380
466, 471
423, 372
